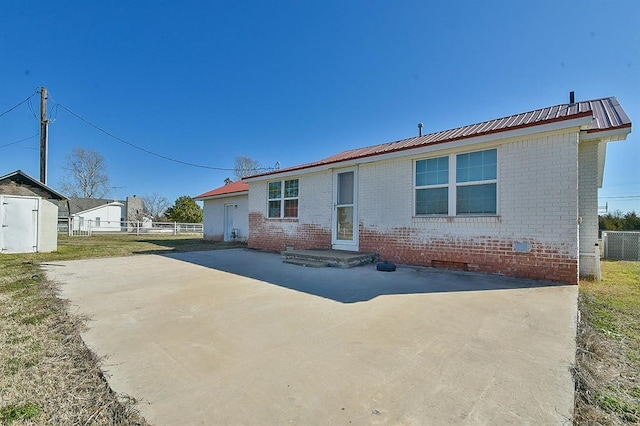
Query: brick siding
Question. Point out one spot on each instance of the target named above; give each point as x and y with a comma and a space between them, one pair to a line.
480, 254
277, 234
537, 207
588, 190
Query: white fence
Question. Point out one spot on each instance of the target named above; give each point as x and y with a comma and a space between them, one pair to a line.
78, 227
621, 245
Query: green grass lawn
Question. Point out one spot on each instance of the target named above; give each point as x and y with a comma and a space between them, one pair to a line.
127, 245
608, 356
47, 374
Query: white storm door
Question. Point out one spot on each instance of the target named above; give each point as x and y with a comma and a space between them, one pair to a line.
345, 210
19, 224
228, 221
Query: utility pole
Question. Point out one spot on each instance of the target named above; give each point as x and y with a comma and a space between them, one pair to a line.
44, 135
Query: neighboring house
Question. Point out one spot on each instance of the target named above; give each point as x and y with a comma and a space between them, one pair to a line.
226, 214
515, 196
103, 218
28, 214
103, 215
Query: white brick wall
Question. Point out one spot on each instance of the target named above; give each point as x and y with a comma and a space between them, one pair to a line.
315, 198
538, 190
537, 204
214, 216
385, 198
588, 209
537, 195
258, 198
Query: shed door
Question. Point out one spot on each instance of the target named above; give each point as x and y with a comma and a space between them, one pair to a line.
19, 224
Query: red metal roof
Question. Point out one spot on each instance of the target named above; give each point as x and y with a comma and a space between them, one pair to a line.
606, 112
232, 188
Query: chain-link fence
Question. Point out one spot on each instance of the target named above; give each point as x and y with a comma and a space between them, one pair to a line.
621, 245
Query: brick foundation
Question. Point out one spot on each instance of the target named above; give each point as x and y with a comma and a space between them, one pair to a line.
277, 234
479, 254
410, 246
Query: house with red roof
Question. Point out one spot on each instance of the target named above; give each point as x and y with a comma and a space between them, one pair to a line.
516, 196
226, 214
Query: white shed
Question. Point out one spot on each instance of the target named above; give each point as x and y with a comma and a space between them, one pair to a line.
226, 212
28, 215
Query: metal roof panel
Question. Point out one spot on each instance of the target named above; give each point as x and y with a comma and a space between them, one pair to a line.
607, 114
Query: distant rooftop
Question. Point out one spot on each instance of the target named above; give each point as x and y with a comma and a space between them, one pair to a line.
76, 205
232, 188
606, 113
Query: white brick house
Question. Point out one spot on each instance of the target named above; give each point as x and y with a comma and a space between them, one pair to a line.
514, 196
226, 216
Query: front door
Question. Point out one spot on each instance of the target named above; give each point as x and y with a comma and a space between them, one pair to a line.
228, 222
345, 211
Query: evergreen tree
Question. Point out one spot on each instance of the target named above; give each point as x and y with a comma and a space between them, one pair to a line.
185, 210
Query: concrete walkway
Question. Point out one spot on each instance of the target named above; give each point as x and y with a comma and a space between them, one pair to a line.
238, 337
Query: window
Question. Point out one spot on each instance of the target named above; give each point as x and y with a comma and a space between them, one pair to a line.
283, 199
462, 184
97, 222
476, 177
432, 186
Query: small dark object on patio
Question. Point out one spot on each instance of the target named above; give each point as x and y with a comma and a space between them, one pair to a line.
386, 266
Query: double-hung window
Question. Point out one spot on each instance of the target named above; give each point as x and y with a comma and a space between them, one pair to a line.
432, 186
283, 199
457, 184
476, 181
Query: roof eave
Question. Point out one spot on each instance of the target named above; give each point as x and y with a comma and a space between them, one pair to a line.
579, 121
214, 197
56, 194
113, 203
619, 133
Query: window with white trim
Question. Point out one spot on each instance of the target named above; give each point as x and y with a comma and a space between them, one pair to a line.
283, 199
457, 184
476, 182
432, 186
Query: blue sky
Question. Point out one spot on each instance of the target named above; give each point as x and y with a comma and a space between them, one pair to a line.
296, 81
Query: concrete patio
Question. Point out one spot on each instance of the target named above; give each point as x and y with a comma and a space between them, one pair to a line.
238, 337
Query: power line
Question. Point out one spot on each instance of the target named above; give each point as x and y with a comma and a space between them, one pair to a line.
17, 105
164, 157
21, 140
622, 196
33, 112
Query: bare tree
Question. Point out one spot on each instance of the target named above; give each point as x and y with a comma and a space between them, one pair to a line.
246, 166
86, 174
156, 205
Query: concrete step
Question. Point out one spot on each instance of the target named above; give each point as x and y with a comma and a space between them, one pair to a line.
307, 263
333, 258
